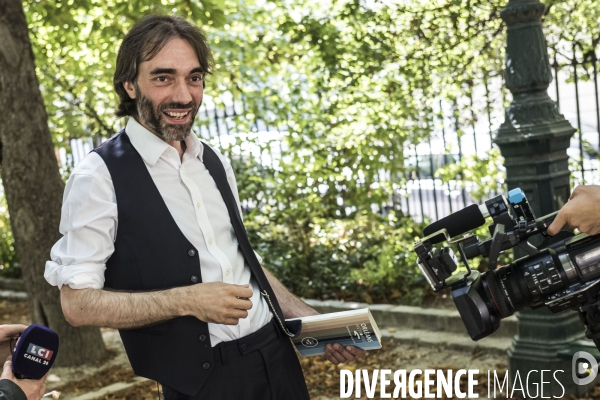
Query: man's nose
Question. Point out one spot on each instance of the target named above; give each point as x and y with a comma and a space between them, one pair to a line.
181, 93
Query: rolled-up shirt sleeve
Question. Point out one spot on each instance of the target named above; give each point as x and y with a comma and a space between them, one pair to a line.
88, 225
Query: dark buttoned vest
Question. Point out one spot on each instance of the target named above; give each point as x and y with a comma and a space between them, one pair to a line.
151, 253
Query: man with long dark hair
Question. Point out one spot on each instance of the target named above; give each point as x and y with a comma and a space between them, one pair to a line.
154, 245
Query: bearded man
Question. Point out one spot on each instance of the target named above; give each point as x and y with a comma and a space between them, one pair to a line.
154, 245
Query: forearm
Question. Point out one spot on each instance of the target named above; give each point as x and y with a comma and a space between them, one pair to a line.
120, 310
291, 306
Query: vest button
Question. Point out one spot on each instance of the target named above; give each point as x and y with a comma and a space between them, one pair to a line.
202, 338
243, 347
191, 252
206, 365
194, 279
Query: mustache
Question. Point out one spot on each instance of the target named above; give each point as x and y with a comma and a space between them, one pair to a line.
167, 106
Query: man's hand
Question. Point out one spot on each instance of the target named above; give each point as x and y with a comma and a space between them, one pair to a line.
339, 354
218, 302
34, 389
582, 211
293, 307
8, 332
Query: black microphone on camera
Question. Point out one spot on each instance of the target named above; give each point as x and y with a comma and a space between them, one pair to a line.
35, 352
461, 221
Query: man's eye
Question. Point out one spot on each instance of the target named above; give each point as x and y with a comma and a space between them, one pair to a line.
197, 78
161, 78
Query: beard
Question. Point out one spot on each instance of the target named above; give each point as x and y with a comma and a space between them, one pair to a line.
152, 117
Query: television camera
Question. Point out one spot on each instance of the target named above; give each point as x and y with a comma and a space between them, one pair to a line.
561, 273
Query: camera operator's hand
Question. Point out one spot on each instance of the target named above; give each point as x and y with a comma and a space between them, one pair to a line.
33, 389
8, 332
582, 211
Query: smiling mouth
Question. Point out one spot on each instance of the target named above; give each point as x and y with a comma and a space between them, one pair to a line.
176, 115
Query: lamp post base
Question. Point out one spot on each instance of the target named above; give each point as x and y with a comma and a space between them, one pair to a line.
542, 354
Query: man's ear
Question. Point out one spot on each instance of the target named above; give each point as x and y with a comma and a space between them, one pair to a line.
130, 89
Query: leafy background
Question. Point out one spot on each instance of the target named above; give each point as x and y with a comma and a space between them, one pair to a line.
350, 83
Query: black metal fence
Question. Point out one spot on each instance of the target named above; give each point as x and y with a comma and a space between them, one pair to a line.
454, 139
576, 94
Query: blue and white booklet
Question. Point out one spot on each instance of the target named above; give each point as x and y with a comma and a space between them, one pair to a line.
347, 328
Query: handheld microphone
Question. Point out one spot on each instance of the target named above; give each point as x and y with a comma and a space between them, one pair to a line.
461, 221
35, 352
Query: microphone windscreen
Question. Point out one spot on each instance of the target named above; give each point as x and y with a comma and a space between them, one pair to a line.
459, 222
35, 352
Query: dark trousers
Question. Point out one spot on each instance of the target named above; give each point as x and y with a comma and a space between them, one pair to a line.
260, 366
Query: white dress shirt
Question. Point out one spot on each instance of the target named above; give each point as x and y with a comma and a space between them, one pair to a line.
89, 222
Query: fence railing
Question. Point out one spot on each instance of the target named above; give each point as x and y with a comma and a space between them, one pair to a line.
423, 195
574, 88
576, 94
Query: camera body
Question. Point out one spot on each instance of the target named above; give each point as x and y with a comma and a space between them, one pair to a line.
561, 273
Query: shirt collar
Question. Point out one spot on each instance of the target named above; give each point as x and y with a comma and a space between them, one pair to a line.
194, 146
151, 147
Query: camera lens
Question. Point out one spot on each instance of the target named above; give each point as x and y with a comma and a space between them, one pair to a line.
524, 283
497, 297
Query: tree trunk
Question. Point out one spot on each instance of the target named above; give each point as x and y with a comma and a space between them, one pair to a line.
33, 185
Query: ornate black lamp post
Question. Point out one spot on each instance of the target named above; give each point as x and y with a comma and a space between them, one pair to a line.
533, 140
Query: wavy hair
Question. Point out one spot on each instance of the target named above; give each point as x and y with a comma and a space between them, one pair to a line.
145, 40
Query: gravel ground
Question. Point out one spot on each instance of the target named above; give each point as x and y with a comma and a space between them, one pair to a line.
323, 378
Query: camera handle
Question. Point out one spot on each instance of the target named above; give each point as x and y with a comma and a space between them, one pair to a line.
500, 237
589, 314
496, 247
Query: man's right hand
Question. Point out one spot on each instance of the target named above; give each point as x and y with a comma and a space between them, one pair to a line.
219, 302
34, 389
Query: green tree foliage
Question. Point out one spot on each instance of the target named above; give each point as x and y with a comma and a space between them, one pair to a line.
76, 43
351, 83
570, 22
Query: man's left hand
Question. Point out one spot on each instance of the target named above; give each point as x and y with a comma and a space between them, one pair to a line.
8, 332
33, 388
339, 354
